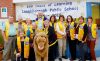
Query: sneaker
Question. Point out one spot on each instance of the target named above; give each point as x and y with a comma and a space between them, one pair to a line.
64, 57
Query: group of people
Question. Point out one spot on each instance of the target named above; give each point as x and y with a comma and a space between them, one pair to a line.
18, 37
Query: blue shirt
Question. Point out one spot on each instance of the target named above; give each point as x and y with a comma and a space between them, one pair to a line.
12, 30
40, 24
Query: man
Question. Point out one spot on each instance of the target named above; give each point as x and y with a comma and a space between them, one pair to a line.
9, 35
40, 21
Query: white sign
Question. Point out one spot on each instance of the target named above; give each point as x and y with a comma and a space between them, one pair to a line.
76, 9
3, 11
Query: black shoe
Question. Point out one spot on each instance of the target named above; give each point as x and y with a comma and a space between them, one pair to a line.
60, 59
64, 57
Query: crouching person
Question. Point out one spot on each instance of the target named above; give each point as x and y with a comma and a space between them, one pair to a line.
22, 47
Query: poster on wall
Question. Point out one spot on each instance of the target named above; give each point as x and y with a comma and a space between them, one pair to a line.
3, 11
65, 8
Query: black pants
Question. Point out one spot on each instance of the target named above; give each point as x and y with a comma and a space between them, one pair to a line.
82, 50
72, 47
31, 54
53, 52
21, 59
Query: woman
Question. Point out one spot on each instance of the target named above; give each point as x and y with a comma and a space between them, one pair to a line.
52, 40
92, 36
80, 35
22, 47
28, 27
70, 30
61, 34
53, 21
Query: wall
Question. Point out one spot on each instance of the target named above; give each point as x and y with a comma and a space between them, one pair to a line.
10, 7
95, 12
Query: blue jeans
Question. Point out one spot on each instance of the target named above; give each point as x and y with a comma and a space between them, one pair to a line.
82, 50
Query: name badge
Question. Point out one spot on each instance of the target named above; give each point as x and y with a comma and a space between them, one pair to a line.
71, 26
26, 43
81, 26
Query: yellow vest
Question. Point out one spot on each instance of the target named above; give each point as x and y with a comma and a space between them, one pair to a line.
93, 30
54, 25
61, 27
26, 46
72, 31
7, 26
81, 32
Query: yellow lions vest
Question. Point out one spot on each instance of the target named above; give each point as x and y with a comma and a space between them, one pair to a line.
72, 31
54, 25
81, 32
61, 27
26, 46
7, 26
93, 30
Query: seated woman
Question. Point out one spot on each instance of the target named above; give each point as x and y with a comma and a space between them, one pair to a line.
22, 47
52, 40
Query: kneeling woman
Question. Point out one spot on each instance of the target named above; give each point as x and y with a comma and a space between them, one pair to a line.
52, 40
22, 47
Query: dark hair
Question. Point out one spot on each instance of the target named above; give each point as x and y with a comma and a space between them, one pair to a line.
81, 17
54, 18
90, 18
70, 17
62, 16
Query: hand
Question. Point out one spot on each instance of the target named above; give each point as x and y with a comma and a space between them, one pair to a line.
18, 54
5, 40
64, 34
76, 36
31, 45
97, 38
82, 41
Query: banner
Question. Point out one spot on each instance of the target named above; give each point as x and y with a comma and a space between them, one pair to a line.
29, 10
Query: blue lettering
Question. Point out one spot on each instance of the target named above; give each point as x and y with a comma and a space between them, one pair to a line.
29, 6
70, 8
40, 5
55, 9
